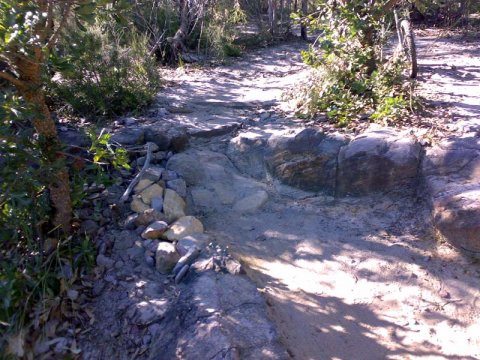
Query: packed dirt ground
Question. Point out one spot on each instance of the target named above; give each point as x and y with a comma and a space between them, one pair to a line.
348, 278
344, 278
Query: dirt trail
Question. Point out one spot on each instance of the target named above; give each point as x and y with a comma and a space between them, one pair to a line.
344, 278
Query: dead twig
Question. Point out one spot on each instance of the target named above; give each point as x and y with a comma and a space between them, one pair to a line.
137, 178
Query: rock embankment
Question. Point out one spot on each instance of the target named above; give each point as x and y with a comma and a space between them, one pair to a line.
380, 160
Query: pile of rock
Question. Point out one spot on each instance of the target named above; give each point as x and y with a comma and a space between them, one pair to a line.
172, 239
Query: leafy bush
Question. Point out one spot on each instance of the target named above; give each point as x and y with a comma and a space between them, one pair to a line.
38, 265
219, 34
105, 73
349, 77
441, 12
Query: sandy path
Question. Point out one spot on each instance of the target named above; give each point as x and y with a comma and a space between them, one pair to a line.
353, 278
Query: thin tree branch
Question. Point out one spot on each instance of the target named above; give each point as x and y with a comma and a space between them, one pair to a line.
12, 79
137, 178
65, 15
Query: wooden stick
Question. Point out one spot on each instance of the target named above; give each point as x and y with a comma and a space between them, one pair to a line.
137, 178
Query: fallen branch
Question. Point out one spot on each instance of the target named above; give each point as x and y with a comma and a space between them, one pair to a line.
137, 178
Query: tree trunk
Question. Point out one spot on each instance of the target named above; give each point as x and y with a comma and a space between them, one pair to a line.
30, 74
303, 27
272, 16
178, 41
289, 11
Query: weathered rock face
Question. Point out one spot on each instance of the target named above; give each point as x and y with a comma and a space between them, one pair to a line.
233, 325
252, 202
212, 179
166, 136
247, 152
452, 178
305, 159
129, 136
376, 161
179, 186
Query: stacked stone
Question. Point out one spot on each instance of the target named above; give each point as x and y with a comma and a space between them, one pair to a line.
172, 239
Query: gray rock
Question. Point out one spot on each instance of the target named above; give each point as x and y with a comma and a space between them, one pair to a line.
198, 240
452, 178
138, 205
264, 116
155, 230
185, 226
88, 227
129, 223
306, 159
212, 179
159, 137
107, 262
153, 173
174, 206
179, 186
141, 161
157, 203
167, 136
166, 257
75, 138
233, 267
234, 323
149, 260
252, 202
169, 175
129, 136
130, 121
377, 161
153, 191
158, 156
179, 109
142, 185
148, 216
148, 312
136, 252
124, 240
247, 152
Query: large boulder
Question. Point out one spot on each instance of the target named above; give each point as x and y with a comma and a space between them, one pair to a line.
247, 152
233, 322
379, 160
212, 179
129, 136
452, 177
167, 136
306, 159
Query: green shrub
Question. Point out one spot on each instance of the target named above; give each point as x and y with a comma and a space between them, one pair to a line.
349, 77
109, 73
